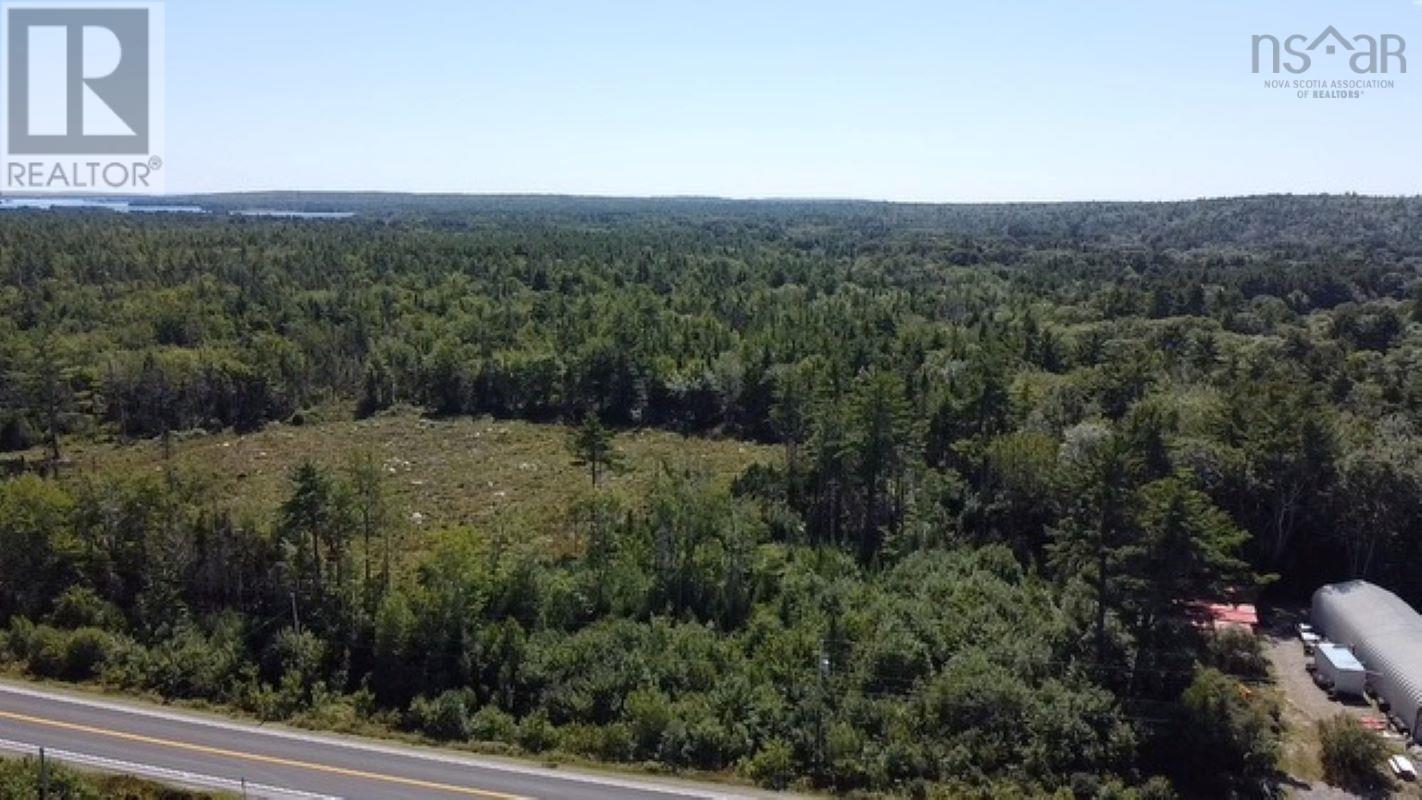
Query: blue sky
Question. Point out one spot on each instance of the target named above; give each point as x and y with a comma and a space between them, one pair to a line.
937, 101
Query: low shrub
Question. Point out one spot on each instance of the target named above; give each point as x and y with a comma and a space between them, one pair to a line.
80, 606
86, 650
1352, 755
536, 733
1238, 652
446, 716
492, 724
773, 766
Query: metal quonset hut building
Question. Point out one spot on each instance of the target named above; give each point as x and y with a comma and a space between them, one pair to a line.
1385, 634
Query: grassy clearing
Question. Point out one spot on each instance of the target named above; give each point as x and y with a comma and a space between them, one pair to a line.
1299, 755
19, 777
464, 471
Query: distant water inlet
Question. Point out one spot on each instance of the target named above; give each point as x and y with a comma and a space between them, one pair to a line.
265, 212
130, 207
120, 206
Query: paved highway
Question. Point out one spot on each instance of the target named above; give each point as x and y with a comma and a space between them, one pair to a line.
284, 764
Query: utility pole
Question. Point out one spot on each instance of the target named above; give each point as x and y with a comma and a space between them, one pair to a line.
824, 671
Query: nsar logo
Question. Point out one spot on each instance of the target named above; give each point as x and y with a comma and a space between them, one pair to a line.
1366, 55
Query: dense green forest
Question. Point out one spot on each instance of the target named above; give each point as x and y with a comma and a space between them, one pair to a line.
1018, 441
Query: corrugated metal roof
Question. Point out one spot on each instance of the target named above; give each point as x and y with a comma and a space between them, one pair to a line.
1385, 634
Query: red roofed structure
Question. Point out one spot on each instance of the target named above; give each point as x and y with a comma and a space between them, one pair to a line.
1219, 616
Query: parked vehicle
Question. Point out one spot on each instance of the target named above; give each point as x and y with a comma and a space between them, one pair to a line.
1402, 768
1337, 664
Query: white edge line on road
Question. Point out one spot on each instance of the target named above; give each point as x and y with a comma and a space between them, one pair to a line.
570, 776
181, 777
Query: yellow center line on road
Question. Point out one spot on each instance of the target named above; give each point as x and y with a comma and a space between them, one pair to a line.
285, 762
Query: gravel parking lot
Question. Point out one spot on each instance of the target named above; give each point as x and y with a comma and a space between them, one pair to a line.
1286, 653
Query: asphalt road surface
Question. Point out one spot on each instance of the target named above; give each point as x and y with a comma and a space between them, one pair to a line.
273, 762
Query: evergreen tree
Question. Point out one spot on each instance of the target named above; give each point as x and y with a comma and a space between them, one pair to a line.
373, 516
316, 525
883, 448
592, 446
1096, 539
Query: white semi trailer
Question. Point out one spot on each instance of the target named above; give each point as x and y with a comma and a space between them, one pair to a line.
1340, 669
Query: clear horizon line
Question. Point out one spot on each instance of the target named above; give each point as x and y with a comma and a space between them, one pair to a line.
705, 197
